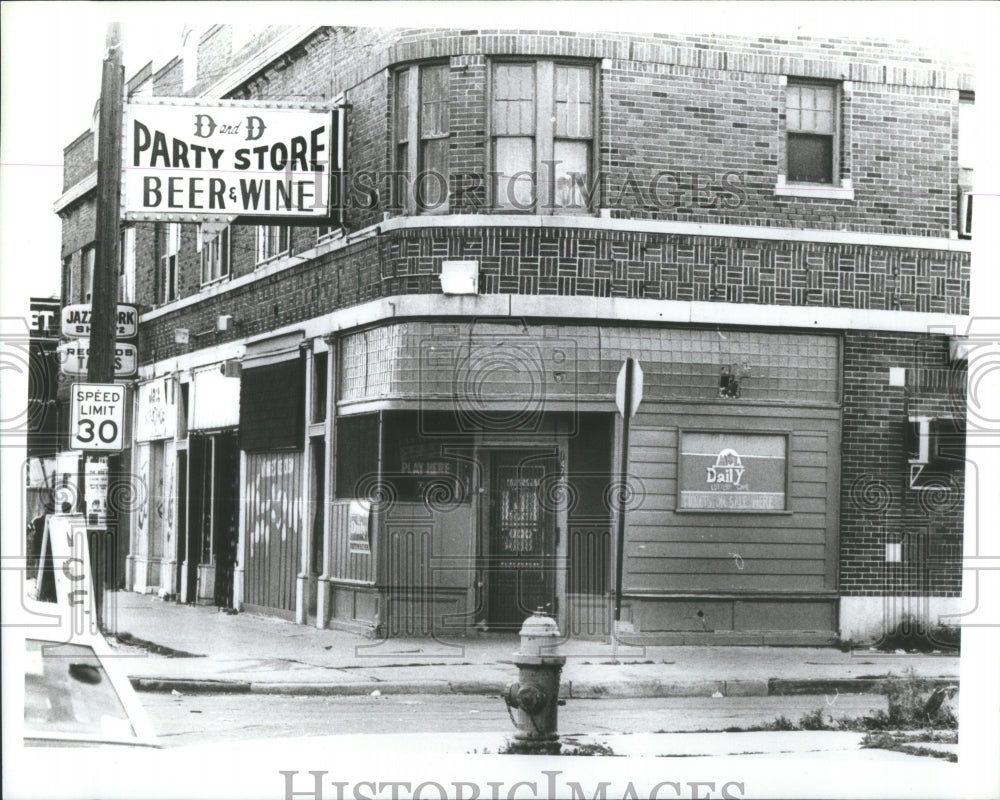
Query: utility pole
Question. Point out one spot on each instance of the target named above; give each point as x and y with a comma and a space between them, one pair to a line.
104, 291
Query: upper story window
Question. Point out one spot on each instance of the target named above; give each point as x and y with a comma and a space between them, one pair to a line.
272, 241
169, 246
126, 265
967, 144
811, 130
421, 132
542, 136
812, 139
216, 252
86, 282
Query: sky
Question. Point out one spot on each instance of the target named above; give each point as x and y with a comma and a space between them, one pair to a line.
52, 52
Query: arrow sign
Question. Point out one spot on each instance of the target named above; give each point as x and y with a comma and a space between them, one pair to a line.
624, 380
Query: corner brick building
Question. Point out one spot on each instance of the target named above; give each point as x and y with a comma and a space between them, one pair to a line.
405, 422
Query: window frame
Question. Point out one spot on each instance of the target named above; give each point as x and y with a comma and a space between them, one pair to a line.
789, 440
404, 194
212, 252
171, 246
839, 187
126, 265
88, 262
544, 136
264, 236
966, 147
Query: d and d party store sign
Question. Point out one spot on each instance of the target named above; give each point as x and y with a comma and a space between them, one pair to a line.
187, 161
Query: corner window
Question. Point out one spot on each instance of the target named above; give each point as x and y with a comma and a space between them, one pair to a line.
542, 136
169, 246
421, 133
811, 133
272, 241
216, 253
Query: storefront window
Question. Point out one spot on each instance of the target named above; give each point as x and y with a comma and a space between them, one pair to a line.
729, 471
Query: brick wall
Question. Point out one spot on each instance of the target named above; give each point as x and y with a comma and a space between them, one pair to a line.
146, 278
572, 262
169, 79
78, 225
78, 160
719, 129
706, 110
877, 503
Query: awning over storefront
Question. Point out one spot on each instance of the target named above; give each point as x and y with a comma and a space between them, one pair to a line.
215, 401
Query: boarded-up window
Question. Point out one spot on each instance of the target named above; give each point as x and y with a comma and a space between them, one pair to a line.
272, 407
732, 471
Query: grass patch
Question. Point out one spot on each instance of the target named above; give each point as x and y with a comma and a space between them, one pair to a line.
596, 749
568, 748
913, 704
889, 741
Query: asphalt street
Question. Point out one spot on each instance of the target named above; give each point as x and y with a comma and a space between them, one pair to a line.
181, 719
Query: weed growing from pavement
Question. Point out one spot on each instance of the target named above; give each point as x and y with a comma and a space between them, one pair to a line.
596, 749
911, 706
593, 749
890, 741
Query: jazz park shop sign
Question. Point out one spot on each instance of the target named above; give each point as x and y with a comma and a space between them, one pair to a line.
187, 161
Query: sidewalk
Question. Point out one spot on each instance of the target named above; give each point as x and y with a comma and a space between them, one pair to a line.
247, 653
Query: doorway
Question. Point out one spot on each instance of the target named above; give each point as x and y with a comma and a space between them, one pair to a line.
212, 505
520, 568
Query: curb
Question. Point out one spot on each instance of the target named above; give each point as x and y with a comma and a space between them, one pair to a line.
190, 685
576, 690
782, 686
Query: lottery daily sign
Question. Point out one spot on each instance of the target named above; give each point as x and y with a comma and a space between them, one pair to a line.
188, 161
97, 414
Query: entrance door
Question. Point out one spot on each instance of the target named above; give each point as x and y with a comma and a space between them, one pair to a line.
226, 515
182, 519
520, 569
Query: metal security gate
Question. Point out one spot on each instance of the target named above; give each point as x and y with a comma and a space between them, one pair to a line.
273, 513
520, 568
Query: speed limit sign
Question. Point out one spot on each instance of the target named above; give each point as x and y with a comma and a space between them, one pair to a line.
97, 415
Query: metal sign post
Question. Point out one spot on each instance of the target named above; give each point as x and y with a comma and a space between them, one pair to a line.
628, 395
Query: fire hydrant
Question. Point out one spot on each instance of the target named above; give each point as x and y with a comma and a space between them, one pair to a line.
535, 696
